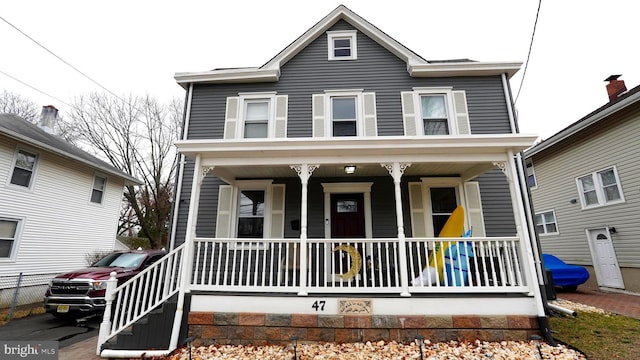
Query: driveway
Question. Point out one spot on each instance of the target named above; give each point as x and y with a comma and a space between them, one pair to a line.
47, 328
618, 303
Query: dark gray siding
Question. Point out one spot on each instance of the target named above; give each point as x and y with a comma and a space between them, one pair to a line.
375, 70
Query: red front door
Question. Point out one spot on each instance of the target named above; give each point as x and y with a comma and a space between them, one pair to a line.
347, 216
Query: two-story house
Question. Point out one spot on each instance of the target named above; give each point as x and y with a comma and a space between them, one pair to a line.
314, 187
58, 204
585, 192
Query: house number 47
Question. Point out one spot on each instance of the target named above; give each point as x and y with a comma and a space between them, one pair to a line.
318, 305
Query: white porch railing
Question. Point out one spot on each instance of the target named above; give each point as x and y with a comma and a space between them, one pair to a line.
135, 298
480, 265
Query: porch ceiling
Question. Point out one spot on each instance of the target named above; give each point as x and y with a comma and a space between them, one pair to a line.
465, 156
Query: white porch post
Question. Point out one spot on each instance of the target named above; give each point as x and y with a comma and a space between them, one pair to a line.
304, 172
187, 259
396, 170
520, 218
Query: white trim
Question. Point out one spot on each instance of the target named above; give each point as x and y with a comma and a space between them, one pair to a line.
447, 92
597, 267
352, 35
359, 107
16, 239
555, 221
246, 98
469, 68
599, 189
345, 188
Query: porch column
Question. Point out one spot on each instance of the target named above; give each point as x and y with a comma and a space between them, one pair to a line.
304, 172
187, 259
396, 170
509, 169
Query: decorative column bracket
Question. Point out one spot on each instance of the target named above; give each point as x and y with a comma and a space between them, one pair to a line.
304, 170
396, 173
205, 172
503, 167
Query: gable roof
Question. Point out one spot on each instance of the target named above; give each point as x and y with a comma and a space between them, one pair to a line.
416, 65
600, 114
20, 129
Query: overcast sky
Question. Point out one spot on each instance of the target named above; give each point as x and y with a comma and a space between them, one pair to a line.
136, 47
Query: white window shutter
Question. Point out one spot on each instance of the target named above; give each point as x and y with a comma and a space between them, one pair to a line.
418, 210
461, 113
231, 117
370, 117
318, 115
280, 126
408, 113
474, 208
225, 206
277, 211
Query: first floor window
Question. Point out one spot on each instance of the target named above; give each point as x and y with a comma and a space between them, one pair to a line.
546, 223
8, 234
344, 115
443, 202
434, 114
256, 118
600, 188
99, 184
23, 168
251, 210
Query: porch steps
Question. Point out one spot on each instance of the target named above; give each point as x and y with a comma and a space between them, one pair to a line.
153, 331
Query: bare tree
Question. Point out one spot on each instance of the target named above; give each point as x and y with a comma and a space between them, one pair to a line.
11, 103
135, 135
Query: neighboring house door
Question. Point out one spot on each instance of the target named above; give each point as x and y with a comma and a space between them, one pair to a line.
605, 263
347, 221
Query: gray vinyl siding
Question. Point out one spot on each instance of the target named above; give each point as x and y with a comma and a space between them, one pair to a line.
613, 142
375, 70
496, 204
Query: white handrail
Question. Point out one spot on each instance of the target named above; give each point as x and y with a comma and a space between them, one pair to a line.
127, 303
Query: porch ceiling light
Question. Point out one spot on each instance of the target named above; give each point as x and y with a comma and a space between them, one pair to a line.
350, 169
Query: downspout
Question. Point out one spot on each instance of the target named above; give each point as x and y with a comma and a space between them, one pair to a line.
176, 199
528, 208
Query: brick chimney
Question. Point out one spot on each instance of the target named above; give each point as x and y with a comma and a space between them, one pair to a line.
615, 87
48, 118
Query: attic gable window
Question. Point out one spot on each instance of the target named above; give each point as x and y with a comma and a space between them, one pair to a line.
342, 45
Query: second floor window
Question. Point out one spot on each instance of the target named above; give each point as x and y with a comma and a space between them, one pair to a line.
600, 188
23, 168
8, 237
256, 118
344, 116
97, 192
546, 223
434, 114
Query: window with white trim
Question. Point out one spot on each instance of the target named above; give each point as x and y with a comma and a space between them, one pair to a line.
600, 188
256, 118
256, 115
433, 111
344, 115
344, 112
24, 165
9, 231
251, 212
342, 45
434, 114
530, 173
97, 191
546, 223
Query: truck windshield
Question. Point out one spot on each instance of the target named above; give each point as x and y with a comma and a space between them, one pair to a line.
124, 260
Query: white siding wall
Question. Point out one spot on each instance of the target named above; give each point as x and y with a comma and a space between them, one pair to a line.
60, 225
617, 145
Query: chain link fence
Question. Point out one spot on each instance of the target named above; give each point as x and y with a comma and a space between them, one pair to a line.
22, 289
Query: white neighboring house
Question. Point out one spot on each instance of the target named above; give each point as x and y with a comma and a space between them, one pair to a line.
57, 204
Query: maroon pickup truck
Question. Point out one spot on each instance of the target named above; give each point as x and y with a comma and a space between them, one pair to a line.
81, 293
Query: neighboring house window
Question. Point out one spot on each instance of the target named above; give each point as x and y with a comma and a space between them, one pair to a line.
344, 116
600, 188
23, 168
546, 223
435, 120
257, 116
435, 111
99, 184
251, 211
342, 45
8, 237
531, 175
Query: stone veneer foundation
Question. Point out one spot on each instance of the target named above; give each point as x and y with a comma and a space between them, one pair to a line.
260, 329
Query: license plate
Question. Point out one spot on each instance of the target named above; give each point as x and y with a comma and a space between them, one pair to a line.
63, 308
